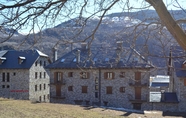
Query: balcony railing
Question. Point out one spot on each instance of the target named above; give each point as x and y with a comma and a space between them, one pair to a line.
62, 96
141, 99
137, 83
58, 83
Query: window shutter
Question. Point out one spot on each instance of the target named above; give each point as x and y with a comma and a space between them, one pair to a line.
113, 74
105, 75
55, 76
184, 82
81, 75
88, 75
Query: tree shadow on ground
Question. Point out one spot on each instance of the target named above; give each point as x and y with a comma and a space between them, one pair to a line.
174, 114
126, 113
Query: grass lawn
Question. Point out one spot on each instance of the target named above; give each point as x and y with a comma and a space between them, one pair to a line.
25, 109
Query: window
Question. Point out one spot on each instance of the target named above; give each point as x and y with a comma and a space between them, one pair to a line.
35, 87
36, 63
84, 89
122, 89
96, 94
8, 86
44, 97
44, 63
96, 80
58, 76
40, 75
44, 74
122, 74
40, 87
3, 74
3, 86
35, 75
109, 90
109, 75
14, 74
96, 87
8, 77
70, 88
84, 75
40, 98
40, 63
44, 86
70, 74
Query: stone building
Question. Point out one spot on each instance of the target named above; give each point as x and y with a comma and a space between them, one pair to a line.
101, 76
179, 76
23, 75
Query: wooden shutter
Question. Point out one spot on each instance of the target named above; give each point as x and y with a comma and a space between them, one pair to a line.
81, 75
184, 82
105, 75
113, 75
88, 75
55, 77
122, 89
84, 89
109, 89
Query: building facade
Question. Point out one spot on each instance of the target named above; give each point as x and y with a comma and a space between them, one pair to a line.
107, 77
23, 75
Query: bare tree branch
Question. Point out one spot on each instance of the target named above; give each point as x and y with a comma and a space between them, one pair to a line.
169, 22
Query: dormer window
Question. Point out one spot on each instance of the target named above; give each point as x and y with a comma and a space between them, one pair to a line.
2, 59
21, 59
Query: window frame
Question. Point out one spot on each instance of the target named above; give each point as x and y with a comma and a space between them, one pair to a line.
122, 75
84, 75
109, 75
70, 74
84, 89
35, 87
109, 90
122, 89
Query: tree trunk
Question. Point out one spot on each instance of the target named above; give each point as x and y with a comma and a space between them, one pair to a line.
169, 22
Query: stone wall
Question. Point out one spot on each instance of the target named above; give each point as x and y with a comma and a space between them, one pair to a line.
17, 87
21, 83
42, 94
116, 99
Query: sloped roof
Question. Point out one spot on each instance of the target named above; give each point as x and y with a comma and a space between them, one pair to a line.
160, 81
100, 57
166, 97
11, 61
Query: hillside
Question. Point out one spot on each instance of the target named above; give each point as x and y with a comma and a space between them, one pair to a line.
135, 29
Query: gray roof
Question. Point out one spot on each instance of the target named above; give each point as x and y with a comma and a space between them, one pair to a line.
100, 57
10, 58
160, 81
166, 97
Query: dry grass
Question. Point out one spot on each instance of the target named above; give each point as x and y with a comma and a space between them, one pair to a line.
25, 109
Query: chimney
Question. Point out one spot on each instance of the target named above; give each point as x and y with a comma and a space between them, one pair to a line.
84, 45
78, 56
118, 50
54, 54
119, 45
